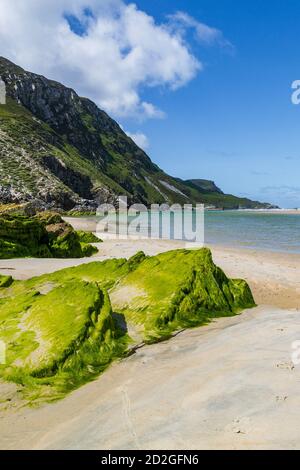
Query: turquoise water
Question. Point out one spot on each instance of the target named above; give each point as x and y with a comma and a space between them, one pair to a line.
270, 232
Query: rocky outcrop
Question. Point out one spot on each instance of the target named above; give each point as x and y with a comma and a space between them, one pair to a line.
175, 290
80, 184
64, 328
58, 337
44, 235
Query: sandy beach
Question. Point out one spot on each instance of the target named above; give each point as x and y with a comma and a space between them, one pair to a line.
231, 384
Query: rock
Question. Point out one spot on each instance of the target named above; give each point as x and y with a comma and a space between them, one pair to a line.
88, 237
5, 281
61, 329
45, 235
176, 290
67, 335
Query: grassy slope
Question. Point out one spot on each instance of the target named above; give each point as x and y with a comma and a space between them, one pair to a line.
26, 135
60, 329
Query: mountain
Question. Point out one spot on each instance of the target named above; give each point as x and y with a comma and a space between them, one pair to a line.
60, 150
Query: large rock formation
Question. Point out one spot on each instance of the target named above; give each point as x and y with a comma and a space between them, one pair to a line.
45, 235
61, 329
57, 337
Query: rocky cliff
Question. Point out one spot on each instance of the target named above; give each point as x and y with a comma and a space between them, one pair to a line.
62, 151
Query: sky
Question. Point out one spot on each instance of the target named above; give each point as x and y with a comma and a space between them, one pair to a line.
204, 86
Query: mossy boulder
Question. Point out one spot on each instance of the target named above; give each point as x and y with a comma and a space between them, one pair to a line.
49, 218
161, 294
20, 236
58, 337
64, 328
5, 281
88, 237
175, 290
45, 235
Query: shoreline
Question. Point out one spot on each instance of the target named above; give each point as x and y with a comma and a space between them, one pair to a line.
269, 211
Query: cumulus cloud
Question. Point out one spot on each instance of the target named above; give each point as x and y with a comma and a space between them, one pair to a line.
107, 50
140, 139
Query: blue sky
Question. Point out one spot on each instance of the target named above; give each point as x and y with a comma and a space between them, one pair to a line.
235, 123
207, 91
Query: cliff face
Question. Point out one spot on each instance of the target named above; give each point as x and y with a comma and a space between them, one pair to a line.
62, 151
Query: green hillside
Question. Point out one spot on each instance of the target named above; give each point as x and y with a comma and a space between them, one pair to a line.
61, 151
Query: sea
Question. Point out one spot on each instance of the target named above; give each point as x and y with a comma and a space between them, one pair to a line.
260, 230
264, 231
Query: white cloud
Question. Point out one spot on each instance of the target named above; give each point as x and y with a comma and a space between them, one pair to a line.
205, 34
140, 139
122, 51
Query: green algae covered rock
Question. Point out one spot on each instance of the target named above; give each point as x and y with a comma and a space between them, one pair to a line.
5, 281
59, 337
88, 237
45, 235
165, 293
178, 289
20, 236
63, 328
161, 294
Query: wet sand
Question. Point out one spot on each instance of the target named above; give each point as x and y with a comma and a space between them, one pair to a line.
229, 385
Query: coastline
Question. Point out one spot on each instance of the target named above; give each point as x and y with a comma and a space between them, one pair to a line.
273, 211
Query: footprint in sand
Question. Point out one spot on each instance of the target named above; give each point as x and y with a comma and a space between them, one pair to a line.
281, 398
285, 365
239, 426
